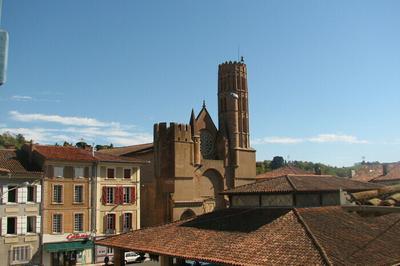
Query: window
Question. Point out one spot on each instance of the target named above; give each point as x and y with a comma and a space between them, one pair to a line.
21, 254
110, 194
31, 194
127, 221
110, 223
127, 194
57, 194
57, 223
78, 194
78, 222
127, 173
12, 225
31, 224
12, 194
78, 172
58, 171
110, 251
110, 173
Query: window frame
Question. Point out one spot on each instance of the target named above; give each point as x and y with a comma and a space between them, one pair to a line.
114, 172
129, 197
62, 171
61, 223
82, 193
34, 188
82, 222
12, 191
27, 252
113, 189
83, 172
53, 194
15, 225
130, 173
124, 215
33, 225
114, 223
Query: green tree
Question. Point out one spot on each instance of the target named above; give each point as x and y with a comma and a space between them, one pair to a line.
277, 162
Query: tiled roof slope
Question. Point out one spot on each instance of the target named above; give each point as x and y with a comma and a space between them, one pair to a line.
76, 154
351, 239
392, 175
121, 151
263, 236
302, 183
285, 170
10, 162
230, 236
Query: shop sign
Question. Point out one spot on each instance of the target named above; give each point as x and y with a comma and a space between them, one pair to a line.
77, 236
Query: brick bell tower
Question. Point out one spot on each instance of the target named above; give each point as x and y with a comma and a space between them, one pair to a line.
233, 121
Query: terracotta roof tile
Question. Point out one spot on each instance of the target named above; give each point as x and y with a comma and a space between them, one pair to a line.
10, 162
76, 154
121, 151
290, 183
263, 236
287, 169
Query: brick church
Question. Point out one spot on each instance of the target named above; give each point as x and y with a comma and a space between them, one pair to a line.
191, 163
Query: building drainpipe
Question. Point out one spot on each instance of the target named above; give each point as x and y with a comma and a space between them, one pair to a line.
94, 208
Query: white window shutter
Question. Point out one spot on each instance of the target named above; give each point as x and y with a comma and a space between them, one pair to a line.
5, 194
38, 193
38, 220
3, 226
23, 224
24, 195
19, 225
19, 194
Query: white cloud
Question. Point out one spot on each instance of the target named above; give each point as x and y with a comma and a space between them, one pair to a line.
65, 120
21, 98
323, 138
277, 140
135, 139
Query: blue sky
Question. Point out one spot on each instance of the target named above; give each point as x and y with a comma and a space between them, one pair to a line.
323, 75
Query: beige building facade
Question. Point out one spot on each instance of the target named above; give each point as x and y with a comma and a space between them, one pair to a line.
116, 201
21, 195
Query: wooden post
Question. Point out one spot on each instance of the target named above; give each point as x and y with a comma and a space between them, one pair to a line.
166, 260
119, 257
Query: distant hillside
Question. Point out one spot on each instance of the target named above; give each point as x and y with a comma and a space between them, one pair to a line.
265, 166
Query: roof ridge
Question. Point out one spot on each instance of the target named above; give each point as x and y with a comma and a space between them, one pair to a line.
291, 182
312, 237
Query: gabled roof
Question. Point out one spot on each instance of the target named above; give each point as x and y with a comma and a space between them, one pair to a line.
10, 163
392, 175
61, 153
122, 151
302, 183
264, 236
285, 170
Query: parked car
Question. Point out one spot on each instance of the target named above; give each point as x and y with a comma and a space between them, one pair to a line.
132, 257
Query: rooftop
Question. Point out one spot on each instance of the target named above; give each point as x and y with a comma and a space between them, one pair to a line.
260, 236
285, 170
302, 183
10, 163
121, 151
77, 154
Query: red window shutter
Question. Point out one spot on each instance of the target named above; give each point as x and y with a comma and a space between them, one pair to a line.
121, 195
133, 194
104, 195
117, 195
114, 220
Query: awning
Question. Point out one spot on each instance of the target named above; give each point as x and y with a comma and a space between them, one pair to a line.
68, 246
